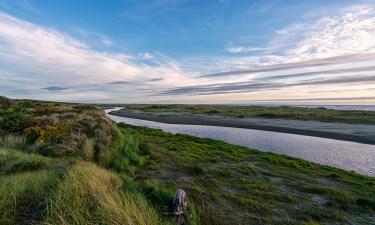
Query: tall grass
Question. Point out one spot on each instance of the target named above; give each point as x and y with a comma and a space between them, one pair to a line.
92, 195
22, 196
12, 141
88, 149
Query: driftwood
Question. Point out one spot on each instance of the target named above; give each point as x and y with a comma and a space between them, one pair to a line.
179, 206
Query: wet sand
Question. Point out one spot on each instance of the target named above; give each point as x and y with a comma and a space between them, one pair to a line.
341, 131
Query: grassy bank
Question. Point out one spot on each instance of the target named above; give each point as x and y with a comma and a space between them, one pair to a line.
235, 185
69, 164
282, 112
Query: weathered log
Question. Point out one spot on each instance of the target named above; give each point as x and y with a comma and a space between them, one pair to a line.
179, 205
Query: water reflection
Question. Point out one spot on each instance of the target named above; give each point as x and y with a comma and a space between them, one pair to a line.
343, 154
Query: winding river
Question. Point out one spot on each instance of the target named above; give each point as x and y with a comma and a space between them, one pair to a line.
342, 154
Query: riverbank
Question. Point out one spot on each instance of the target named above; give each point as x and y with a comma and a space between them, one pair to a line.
69, 164
361, 133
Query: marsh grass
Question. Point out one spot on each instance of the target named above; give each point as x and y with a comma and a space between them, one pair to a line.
229, 184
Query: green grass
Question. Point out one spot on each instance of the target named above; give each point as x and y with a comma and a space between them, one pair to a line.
69, 164
282, 112
12, 141
230, 184
22, 196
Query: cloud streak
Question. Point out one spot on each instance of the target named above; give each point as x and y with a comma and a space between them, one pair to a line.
252, 86
336, 60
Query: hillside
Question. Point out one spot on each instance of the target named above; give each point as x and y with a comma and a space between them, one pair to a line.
69, 164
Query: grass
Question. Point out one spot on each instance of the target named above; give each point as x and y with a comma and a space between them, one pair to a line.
230, 184
12, 141
22, 196
69, 164
90, 195
282, 112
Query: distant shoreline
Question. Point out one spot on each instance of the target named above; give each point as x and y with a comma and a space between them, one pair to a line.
340, 131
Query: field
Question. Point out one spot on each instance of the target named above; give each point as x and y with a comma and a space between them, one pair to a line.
69, 164
282, 112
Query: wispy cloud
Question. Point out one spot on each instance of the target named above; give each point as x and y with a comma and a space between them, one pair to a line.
243, 49
251, 86
336, 60
54, 88
42, 55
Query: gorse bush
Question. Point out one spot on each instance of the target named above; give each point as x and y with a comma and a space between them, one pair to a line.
14, 121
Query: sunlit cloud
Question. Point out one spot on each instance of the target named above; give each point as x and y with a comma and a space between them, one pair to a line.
301, 61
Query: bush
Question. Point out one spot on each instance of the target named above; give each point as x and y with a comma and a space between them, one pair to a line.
14, 121
5, 102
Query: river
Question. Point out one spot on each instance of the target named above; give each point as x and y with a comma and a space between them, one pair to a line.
342, 154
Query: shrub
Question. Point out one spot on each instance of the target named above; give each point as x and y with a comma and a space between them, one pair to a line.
5, 102
14, 121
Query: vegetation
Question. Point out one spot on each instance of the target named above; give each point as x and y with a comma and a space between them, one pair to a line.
229, 184
54, 167
69, 164
282, 112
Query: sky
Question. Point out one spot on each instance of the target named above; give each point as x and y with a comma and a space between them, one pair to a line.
189, 51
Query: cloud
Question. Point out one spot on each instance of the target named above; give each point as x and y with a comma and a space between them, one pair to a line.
156, 79
242, 49
146, 55
120, 82
54, 88
251, 86
332, 51
40, 55
350, 32
335, 60
95, 37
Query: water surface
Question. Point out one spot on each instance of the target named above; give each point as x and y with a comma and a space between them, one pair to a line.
342, 154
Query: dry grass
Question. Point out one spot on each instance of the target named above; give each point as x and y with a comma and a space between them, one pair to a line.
12, 141
91, 195
88, 149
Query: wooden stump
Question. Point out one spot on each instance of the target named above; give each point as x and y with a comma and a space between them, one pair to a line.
179, 205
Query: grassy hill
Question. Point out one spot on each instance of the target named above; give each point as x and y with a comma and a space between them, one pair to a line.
69, 164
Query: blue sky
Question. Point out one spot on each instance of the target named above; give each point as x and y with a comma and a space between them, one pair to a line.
219, 51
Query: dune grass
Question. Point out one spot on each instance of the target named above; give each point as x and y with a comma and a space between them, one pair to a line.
22, 196
91, 195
